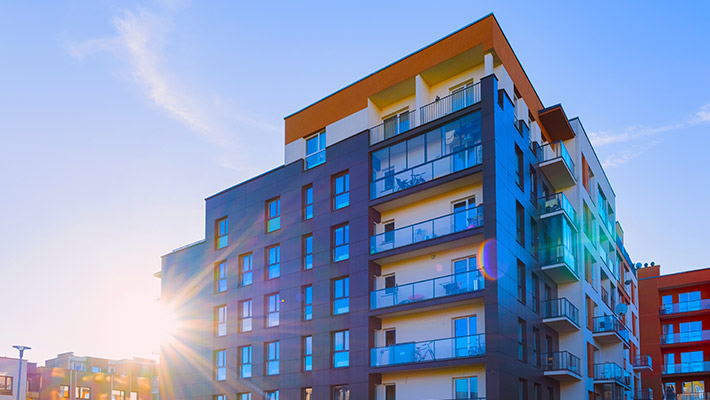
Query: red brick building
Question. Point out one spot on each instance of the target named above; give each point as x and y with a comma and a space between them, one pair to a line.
675, 325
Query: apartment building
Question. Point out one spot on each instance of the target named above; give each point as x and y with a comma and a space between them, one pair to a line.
73, 377
10, 374
675, 319
435, 232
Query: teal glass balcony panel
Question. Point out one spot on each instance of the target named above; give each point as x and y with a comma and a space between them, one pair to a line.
685, 337
686, 368
556, 202
428, 351
442, 286
612, 372
688, 306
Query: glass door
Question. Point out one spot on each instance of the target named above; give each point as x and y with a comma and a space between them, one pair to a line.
464, 328
464, 279
464, 214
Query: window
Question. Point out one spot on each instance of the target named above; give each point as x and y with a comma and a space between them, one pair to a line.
534, 238
520, 224
81, 392
523, 389
219, 397
307, 248
96, 370
134, 396
533, 185
389, 231
537, 391
341, 296
221, 233
63, 390
307, 202
550, 393
273, 304
307, 299
271, 395
689, 301
341, 392
315, 150
273, 214
521, 282
341, 349
341, 190
245, 315
522, 341
465, 214
536, 348
273, 259
245, 271
6, 386
667, 302
307, 350
341, 243
307, 394
390, 392
466, 388
245, 362
220, 277
519, 166
272, 358
120, 395
244, 396
220, 320
220, 364
535, 293
588, 267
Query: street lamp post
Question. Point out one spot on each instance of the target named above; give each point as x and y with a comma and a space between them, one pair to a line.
19, 377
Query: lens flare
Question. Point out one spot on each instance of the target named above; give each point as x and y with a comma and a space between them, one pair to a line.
486, 259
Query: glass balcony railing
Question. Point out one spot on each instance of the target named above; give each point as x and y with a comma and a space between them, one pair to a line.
644, 394
555, 150
469, 218
562, 360
454, 162
687, 396
558, 254
605, 296
556, 202
685, 337
442, 286
608, 324
457, 100
427, 351
688, 306
562, 307
642, 360
687, 367
611, 372
392, 127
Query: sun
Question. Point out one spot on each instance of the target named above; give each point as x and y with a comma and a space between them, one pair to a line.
167, 324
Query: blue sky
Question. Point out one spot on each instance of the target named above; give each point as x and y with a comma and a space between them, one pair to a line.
118, 118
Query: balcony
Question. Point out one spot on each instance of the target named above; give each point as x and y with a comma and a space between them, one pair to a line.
693, 367
444, 106
605, 296
643, 363
608, 329
684, 337
392, 127
443, 286
620, 243
557, 165
559, 263
611, 372
561, 315
563, 366
428, 351
644, 394
558, 203
459, 221
687, 396
692, 306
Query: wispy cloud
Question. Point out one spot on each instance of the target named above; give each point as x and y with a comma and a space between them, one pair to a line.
628, 154
139, 43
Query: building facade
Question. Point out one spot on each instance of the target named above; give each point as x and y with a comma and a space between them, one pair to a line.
434, 233
675, 319
10, 374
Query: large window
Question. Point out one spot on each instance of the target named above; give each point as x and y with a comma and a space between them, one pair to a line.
307, 248
220, 320
63, 390
307, 299
245, 315
221, 233
273, 214
307, 351
439, 152
271, 395
271, 349
273, 304
315, 150
341, 243
466, 388
120, 395
273, 262
522, 290
244, 396
220, 277
522, 341
341, 392
307, 202
689, 301
341, 349
6, 386
81, 392
220, 364
341, 296
245, 269
245, 362
341, 190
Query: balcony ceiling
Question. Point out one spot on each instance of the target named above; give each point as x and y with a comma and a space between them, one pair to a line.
394, 93
556, 123
454, 66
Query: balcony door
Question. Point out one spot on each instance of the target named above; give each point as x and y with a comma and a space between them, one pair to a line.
461, 96
466, 344
696, 388
464, 279
464, 214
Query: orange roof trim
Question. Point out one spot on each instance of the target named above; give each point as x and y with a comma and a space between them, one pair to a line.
556, 123
485, 32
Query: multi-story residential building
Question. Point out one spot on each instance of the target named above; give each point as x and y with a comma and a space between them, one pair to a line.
435, 233
72, 377
9, 375
675, 320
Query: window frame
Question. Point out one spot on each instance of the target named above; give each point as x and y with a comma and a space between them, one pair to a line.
272, 270
219, 365
344, 244
273, 222
321, 144
307, 353
221, 237
245, 368
246, 276
343, 298
307, 191
307, 302
220, 320
307, 251
221, 271
345, 350
344, 194
272, 360
272, 312
244, 319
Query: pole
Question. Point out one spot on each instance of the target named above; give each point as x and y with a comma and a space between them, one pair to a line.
19, 377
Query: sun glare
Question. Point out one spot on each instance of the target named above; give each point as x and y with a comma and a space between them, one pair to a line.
167, 324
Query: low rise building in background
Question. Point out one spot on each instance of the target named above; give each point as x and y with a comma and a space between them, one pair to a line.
9, 372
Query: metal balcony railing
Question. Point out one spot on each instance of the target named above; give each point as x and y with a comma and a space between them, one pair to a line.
610, 323
459, 221
442, 286
444, 106
687, 306
560, 308
428, 351
642, 360
562, 360
685, 337
392, 127
554, 150
611, 372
